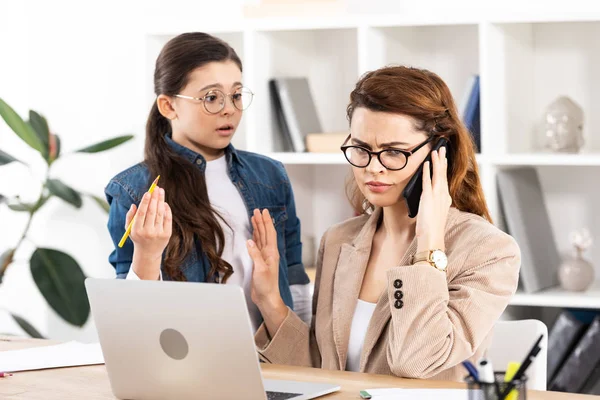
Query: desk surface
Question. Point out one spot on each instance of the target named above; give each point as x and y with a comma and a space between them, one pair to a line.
92, 383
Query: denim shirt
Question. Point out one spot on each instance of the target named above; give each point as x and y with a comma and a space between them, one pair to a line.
262, 183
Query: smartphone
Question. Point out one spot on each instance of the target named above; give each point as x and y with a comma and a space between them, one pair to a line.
414, 187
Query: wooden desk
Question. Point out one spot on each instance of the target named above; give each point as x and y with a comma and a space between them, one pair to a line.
91, 383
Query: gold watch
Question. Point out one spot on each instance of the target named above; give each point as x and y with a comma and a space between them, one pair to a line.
436, 258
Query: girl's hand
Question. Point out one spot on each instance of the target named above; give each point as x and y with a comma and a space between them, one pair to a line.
150, 233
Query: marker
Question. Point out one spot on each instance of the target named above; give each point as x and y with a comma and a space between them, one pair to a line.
485, 371
511, 370
524, 365
487, 378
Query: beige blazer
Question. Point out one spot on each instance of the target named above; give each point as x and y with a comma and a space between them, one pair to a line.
425, 324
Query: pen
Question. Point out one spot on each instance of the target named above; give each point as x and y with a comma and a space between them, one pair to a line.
5, 374
128, 231
524, 365
471, 369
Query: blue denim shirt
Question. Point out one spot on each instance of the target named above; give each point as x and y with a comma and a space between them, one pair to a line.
262, 183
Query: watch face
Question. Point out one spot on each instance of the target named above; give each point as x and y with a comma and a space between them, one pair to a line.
440, 260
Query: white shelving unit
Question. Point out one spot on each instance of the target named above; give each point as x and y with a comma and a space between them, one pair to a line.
309, 158
558, 160
559, 298
524, 61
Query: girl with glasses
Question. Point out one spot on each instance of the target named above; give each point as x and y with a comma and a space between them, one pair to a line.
411, 297
195, 225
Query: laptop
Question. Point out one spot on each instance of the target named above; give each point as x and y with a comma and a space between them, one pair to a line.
180, 340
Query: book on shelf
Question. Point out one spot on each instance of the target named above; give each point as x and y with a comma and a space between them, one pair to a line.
523, 208
471, 110
295, 111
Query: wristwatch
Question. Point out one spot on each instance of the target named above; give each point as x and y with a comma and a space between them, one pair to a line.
437, 259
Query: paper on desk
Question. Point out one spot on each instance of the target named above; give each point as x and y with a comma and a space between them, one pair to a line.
424, 394
68, 354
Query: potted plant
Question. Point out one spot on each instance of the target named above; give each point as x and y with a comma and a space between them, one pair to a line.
56, 274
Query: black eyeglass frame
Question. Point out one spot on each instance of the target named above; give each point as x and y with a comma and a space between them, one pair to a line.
407, 153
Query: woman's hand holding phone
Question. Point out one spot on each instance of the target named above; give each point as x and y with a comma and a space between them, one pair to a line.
434, 204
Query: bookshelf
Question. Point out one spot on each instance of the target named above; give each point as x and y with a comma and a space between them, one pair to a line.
525, 60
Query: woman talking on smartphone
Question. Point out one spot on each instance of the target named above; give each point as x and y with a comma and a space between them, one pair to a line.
411, 297
195, 224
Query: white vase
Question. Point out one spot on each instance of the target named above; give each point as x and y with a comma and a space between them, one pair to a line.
576, 274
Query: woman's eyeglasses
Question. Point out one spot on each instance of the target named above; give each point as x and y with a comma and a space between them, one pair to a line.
392, 159
214, 100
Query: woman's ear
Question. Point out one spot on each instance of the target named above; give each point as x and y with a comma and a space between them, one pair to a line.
165, 107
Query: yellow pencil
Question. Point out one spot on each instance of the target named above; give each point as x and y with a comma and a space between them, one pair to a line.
128, 231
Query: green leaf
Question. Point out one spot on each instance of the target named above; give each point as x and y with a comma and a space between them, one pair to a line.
65, 192
61, 281
57, 147
6, 158
101, 202
20, 127
27, 327
6, 259
40, 127
21, 207
107, 144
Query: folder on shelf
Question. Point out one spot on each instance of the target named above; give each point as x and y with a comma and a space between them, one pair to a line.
592, 386
526, 217
563, 337
297, 113
581, 362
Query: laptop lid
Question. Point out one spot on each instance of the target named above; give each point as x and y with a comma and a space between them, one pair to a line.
157, 337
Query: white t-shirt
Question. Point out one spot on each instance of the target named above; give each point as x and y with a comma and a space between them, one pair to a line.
227, 201
358, 331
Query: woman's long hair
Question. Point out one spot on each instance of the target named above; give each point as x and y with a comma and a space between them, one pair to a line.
185, 186
423, 95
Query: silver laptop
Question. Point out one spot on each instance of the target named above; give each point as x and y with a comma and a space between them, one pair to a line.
175, 340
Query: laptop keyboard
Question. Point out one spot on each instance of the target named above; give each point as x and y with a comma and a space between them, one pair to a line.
281, 396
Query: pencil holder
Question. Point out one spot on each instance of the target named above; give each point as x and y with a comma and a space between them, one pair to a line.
494, 391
